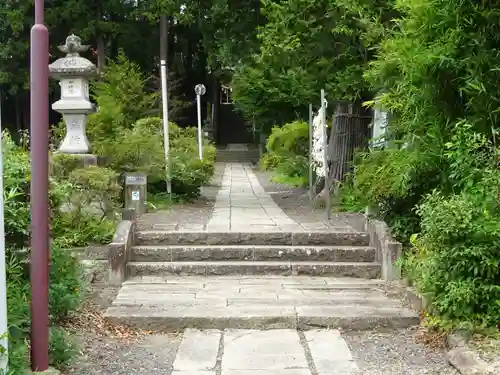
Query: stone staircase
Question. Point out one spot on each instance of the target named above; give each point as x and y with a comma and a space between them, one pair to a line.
238, 154
260, 280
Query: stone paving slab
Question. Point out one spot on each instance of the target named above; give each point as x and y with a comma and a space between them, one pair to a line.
246, 302
263, 350
198, 351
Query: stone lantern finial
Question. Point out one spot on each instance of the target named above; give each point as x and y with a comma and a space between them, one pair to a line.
73, 46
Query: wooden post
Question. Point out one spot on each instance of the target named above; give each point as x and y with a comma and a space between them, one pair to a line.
136, 192
325, 157
311, 132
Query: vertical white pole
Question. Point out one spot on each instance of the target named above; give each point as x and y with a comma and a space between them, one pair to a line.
325, 156
166, 141
3, 282
200, 136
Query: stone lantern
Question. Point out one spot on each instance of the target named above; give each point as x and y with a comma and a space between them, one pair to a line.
73, 72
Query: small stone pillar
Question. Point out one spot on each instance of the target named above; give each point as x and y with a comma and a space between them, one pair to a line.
73, 72
136, 192
210, 132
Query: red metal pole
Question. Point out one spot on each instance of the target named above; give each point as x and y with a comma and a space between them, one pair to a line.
39, 92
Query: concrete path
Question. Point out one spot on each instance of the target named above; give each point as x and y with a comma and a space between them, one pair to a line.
243, 205
275, 352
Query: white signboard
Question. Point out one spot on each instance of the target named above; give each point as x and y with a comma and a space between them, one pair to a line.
135, 195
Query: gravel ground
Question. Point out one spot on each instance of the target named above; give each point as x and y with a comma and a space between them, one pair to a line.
488, 348
193, 215
150, 355
295, 202
395, 353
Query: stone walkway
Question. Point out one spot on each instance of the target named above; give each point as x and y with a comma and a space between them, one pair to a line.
275, 352
236, 201
243, 205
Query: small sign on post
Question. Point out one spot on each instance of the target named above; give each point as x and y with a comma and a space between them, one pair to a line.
200, 90
136, 192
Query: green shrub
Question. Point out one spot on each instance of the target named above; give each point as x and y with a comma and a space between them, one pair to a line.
288, 153
86, 201
290, 139
122, 98
141, 149
292, 171
456, 261
66, 288
63, 348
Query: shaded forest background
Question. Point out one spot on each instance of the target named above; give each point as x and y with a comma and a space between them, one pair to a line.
204, 39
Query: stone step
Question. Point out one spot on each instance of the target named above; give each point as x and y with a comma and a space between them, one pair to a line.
366, 270
237, 156
249, 253
295, 302
165, 238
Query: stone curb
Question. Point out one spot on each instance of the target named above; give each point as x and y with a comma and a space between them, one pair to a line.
166, 238
49, 371
417, 301
465, 360
119, 252
300, 318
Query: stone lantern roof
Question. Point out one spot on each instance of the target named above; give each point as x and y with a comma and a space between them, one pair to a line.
72, 64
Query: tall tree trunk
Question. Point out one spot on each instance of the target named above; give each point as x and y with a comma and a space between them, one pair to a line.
101, 45
18, 112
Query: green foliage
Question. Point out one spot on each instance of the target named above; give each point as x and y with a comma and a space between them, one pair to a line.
290, 139
287, 153
96, 186
141, 149
16, 180
63, 348
73, 227
87, 199
439, 175
456, 260
122, 98
306, 46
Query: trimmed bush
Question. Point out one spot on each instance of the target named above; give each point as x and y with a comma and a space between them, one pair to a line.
141, 149
287, 153
66, 288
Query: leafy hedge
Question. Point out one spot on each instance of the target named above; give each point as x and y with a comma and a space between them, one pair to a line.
287, 153
439, 175
73, 226
132, 140
140, 148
